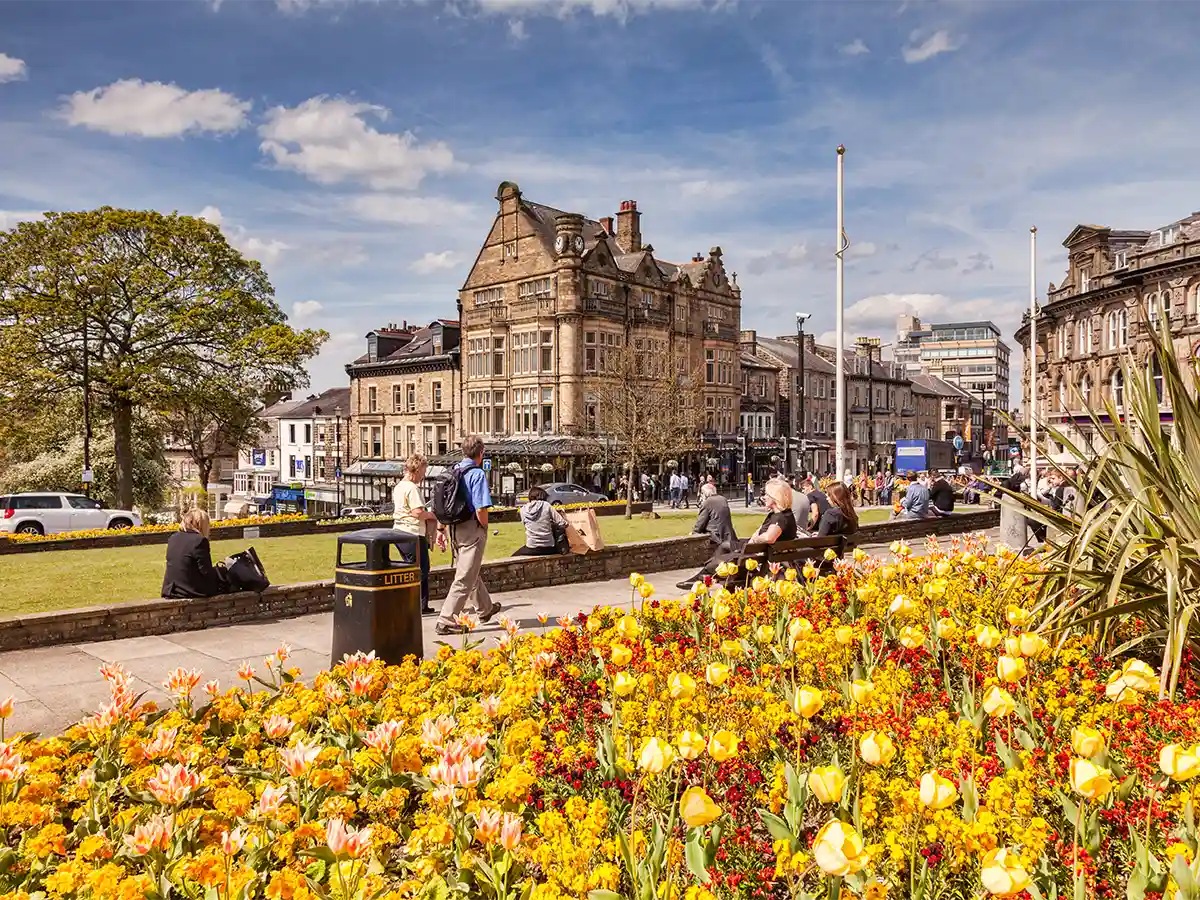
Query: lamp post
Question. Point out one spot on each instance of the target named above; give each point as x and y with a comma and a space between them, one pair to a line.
1033, 354
840, 354
337, 439
89, 290
801, 429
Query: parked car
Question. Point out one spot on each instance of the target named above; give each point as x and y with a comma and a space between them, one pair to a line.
47, 513
561, 493
353, 512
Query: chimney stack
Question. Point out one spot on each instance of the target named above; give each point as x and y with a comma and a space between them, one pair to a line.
606, 224
629, 227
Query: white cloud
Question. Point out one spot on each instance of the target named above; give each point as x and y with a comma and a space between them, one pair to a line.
266, 252
516, 30
819, 256
405, 210
328, 140
211, 214
435, 262
305, 309
153, 109
621, 10
709, 190
856, 47
12, 69
774, 65
10, 217
875, 316
920, 49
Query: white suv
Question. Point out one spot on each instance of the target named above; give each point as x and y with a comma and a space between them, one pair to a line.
55, 513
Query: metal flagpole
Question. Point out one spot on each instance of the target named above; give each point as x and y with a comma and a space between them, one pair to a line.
1033, 372
840, 444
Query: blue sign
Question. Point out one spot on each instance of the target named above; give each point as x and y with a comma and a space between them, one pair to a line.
337, 473
487, 465
288, 495
299, 467
258, 457
958, 442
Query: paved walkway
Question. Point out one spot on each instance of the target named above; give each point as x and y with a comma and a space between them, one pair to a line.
56, 686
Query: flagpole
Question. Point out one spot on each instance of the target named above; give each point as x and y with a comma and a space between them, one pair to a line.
840, 356
1033, 371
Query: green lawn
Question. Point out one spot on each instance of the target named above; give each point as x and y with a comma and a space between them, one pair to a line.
38, 582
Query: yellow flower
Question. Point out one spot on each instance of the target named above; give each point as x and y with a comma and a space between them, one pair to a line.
860, 555
808, 701
946, 628
839, 850
725, 569
635, 580
799, 630
810, 571
789, 574
937, 792
751, 565
681, 685
988, 637
723, 745
1087, 742
721, 611
1140, 676
1011, 669
731, 649
1002, 873
1178, 762
621, 655
691, 744
716, 673
1026, 644
862, 690
645, 590
844, 635
830, 556
1089, 779
629, 628
624, 684
998, 702
827, 783
912, 636
1016, 616
655, 756
876, 748
902, 607
765, 634
697, 808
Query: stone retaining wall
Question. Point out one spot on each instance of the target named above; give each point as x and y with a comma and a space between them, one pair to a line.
138, 619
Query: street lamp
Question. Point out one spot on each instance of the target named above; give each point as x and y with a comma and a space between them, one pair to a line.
90, 290
801, 429
337, 439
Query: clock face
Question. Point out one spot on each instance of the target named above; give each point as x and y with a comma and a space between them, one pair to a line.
560, 243
579, 243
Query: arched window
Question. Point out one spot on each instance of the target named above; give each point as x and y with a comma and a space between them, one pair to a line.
1081, 338
1122, 327
1166, 302
1085, 390
1152, 307
1117, 386
1157, 375
1062, 395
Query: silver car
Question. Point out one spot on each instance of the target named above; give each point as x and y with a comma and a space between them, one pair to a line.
563, 493
48, 513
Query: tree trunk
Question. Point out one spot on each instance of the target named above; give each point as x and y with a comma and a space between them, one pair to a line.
122, 412
203, 473
629, 490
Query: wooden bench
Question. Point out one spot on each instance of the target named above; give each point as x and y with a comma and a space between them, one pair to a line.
794, 554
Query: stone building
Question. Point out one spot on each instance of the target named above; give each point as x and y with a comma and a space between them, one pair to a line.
550, 294
405, 398
951, 412
1117, 285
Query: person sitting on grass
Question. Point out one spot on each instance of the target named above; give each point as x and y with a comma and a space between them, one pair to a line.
545, 527
190, 570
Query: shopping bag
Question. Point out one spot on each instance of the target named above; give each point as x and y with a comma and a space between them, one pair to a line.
245, 572
583, 521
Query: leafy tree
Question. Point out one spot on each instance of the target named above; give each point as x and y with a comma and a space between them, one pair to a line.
161, 303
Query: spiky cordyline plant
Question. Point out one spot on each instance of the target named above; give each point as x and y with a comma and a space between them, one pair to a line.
1126, 562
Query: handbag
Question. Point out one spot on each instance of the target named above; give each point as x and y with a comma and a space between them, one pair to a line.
245, 572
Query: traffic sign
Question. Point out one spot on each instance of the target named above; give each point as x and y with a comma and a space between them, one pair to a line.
88, 477
337, 473
958, 442
487, 465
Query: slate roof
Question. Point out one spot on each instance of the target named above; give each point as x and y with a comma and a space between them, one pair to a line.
420, 346
932, 385
321, 405
787, 351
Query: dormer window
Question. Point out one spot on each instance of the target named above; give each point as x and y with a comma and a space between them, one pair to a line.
1168, 235
1085, 281
1120, 259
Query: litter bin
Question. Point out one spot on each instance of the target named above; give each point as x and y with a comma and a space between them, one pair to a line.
377, 596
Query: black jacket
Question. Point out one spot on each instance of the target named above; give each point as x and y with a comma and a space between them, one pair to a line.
941, 495
716, 521
834, 522
190, 571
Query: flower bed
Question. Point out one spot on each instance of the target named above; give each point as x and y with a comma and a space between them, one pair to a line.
244, 521
495, 512
891, 729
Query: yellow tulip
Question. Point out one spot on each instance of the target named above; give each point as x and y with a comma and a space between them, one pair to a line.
830, 556
1179, 762
699, 589
808, 701
629, 628
697, 809
942, 569
721, 611
1032, 645
1140, 676
876, 748
946, 629
1089, 779
1087, 742
1002, 873
860, 555
716, 673
937, 792
896, 547
988, 637
645, 590
765, 634
751, 565
810, 571
732, 649
827, 783
1011, 669
862, 690
912, 636
997, 702
789, 574
681, 686
887, 573
724, 570
839, 850
635, 580
902, 607
844, 635
624, 684
621, 655
655, 756
691, 744
1016, 616
723, 745
760, 584
799, 630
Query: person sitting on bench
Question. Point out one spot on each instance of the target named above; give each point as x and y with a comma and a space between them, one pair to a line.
714, 519
779, 525
840, 517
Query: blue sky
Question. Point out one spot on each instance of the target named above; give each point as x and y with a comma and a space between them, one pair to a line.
355, 148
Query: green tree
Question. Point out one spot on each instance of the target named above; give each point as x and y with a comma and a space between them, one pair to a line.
153, 305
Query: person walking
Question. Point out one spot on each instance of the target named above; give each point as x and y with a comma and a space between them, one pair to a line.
469, 540
411, 516
684, 486
673, 486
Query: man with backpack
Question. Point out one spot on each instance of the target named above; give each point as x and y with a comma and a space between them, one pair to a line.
461, 500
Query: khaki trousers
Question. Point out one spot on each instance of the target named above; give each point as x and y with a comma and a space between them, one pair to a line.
469, 540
